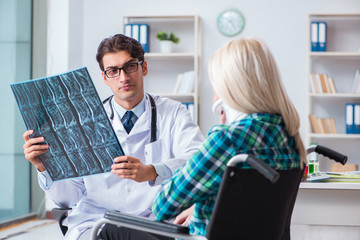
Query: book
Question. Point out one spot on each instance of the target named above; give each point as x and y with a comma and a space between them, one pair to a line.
66, 110
322, 125
315, 83
333, 126
179, 80
355, 87
318, 80
343, 177
313, 123
323, 83
187, 83
332, 84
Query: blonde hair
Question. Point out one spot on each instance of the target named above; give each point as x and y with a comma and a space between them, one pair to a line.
244, 74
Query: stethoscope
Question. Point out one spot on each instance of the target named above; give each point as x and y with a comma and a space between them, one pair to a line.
153, 114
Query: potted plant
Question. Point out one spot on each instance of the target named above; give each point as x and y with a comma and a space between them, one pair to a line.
167, 41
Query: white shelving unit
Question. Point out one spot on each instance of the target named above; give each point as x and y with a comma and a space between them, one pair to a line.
165, 67
333, 203
340, 61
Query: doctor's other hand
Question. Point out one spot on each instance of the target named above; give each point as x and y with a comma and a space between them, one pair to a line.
184, 217
32, 149
132, 168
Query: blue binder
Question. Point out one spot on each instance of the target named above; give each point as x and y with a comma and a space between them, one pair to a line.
144, 36
322, 36
356, 118
314, 36
349, 118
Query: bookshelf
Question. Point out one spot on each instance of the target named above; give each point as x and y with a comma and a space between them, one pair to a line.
164, 68
340, 61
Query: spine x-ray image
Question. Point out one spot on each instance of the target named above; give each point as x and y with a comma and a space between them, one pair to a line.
67, 111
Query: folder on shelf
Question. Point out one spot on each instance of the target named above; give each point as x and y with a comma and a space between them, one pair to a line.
191, 108
139, 32
356, 118
144, 37
314, 36
135, 32
127, 30
322, 36
349, 118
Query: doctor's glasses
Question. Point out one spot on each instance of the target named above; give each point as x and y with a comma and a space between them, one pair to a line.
128, 68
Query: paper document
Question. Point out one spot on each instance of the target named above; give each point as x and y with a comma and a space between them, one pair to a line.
66, 110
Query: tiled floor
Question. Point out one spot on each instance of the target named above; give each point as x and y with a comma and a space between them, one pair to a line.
33, 230
49, 229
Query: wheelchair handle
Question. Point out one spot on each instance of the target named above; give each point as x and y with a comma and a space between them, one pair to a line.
327, 152
257, 164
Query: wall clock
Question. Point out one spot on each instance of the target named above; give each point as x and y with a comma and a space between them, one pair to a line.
230, 22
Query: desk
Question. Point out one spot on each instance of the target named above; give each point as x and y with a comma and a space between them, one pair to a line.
327, 204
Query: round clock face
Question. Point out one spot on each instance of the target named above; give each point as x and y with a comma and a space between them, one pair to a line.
230, 22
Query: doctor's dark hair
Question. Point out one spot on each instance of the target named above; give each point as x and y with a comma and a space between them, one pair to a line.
245, 76
116, 43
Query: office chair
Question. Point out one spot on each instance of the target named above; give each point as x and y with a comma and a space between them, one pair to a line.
251, 204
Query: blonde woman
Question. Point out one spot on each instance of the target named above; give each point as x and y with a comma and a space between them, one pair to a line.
260, 119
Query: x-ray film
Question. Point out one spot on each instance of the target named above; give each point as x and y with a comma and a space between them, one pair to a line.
66, 110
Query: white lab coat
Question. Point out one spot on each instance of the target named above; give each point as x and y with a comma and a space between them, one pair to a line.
178, 138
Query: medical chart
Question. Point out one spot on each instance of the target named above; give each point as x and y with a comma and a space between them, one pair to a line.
66, 110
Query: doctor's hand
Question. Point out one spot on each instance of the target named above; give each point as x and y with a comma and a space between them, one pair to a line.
184, 217
132, 168
32, 149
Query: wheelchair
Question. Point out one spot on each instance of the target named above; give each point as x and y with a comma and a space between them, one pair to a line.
251, 204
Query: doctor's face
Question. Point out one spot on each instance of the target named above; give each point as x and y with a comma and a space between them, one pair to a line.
128, 88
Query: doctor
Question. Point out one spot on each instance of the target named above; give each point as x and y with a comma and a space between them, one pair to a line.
153, 153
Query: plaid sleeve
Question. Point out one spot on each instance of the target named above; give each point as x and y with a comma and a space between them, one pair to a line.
200, 177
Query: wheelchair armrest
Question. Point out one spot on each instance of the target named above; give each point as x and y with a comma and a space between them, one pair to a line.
143, 224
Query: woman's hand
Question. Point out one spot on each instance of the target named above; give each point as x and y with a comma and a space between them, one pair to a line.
184, 217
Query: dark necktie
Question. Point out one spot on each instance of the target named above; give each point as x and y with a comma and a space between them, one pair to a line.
128, 121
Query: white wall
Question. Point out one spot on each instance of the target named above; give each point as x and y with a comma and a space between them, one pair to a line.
282, 24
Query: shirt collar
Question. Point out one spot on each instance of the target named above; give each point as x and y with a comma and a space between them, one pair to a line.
138, 110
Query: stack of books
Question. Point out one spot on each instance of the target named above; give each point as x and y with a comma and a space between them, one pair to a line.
184, 83
323, 125
321, 83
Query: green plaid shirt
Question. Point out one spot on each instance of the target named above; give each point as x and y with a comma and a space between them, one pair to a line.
262, 135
